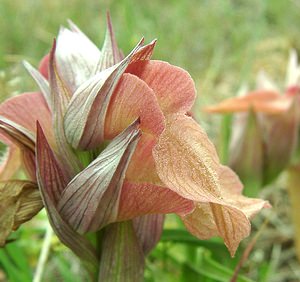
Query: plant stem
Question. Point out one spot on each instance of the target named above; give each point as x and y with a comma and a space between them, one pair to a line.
122, 259
43, 255
294, 195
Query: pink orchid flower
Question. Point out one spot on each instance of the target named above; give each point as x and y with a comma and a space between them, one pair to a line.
265, 126
108, 139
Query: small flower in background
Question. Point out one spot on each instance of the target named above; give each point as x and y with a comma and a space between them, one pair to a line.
265, 133
265, 127
110, 147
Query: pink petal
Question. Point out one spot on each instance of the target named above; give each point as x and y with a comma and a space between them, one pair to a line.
229, 180
26, 109
15, 134
173, 86
142, 165
198, 176
142, 199
186, 160
230, 221
201, 222
265, 101
132, 99
232, 225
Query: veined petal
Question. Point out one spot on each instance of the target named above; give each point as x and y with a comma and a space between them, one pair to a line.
30, 203
52, 180
17, 133
41, 82
265, 101
132, 99
200, 177
232, 193
142, 165
209, 220
229, 180
173, 86
195, 176
18, 122
20, 136
85, 116
77, 57
229, 220
19, 202
26, 109
201, 222
60, 96
232, 225
142, 199
91, 199
148, 230
111, 54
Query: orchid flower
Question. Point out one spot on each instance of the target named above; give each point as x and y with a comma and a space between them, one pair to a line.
109, 145
265, 126
265, 135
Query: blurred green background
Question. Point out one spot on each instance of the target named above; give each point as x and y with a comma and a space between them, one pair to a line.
223, 44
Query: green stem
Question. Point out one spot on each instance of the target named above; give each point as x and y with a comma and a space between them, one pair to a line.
122, 259
294, 195
44, 254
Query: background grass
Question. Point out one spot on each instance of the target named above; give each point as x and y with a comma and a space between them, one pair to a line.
222, 44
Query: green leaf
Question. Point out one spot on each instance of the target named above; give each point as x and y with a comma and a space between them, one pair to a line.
14, 262
183, 236
205, 266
